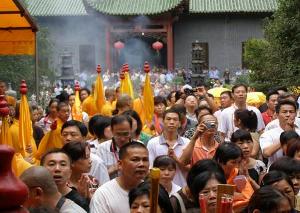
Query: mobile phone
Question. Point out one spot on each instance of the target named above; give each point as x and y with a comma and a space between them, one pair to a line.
240, 182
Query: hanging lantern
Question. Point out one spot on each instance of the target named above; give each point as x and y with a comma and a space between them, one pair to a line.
119, 45
157, 46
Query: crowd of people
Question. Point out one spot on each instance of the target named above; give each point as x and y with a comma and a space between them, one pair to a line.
99, 162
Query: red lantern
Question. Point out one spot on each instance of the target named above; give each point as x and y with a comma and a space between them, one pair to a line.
157, 45
119, 45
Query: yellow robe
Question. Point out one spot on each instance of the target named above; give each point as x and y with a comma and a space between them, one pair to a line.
89, 106
51, 140
19, 165
138, 106
107, 109
20, 148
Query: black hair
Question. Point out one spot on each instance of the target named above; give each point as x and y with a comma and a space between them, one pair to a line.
169, 97
226, 152
118, 119
201, 166
288, 135
285, 102
61, 105
239, 85
133, 114
293, 148
180, 109
84, 89
274, 176
97, 125
34, 107
76, 150
52, 101
240, 135
53, 151
164, 161
160, 100
63, 97
287, 165
144, 189
171, 110
203, 107
229, 93
130, 145
270, 93
284, 88
82, 128
201, 180
266, 199
248, 118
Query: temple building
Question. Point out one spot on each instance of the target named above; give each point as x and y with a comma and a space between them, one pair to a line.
85, 32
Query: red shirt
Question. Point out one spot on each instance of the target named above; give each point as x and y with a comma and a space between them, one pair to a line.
267, 116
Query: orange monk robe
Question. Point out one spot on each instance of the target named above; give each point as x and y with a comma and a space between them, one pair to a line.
20, 148
138, 106
52, 139
107, 109
89, 106
241, 201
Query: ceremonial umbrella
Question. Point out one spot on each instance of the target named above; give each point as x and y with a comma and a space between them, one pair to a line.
216, 92
255, 98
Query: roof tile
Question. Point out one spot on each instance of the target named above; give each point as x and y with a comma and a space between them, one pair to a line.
133, 7
222, 6
56, 7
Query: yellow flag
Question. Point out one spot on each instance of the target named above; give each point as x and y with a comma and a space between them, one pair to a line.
5, 136
25, 130
127, 87
148, 95
99, 91
76, 108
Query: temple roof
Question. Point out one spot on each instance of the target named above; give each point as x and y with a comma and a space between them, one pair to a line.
145, 7
232, 6
133, 7
56, 7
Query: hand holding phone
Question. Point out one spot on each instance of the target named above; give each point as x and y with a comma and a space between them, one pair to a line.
240, 182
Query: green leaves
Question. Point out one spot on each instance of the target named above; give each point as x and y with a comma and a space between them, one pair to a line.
276, 60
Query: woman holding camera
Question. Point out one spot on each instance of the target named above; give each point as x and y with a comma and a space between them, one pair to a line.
203, 144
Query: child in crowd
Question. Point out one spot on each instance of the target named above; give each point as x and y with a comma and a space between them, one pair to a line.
167, 166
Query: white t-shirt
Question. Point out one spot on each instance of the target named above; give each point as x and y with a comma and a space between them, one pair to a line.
98, 169
157, 146
275, 123
175, 188
110, 198
227, 126
272, 137
70, 207
106, 152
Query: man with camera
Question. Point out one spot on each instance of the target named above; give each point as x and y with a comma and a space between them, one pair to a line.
203, 144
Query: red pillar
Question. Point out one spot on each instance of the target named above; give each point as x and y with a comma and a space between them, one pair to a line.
170, 46
107, 49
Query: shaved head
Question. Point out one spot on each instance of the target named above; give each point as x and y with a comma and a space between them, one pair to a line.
39, 176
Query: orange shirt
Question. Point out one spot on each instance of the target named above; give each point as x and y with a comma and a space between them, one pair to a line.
201, 152
241, 201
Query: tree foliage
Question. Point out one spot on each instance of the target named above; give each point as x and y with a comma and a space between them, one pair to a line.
275, 60
15, 68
